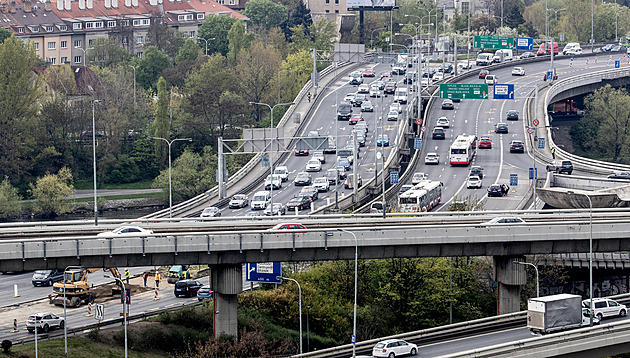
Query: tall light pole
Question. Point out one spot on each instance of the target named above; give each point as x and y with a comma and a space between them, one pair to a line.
372, 35
84, 54
590, 253
36, 328
125, 307
356, 265
134, 86
300, 304
170, 186
592, 43
308, 331
206, 40
271, 146
535, 268
94, 159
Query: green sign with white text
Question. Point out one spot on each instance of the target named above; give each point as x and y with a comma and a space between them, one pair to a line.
464, 90
494, 42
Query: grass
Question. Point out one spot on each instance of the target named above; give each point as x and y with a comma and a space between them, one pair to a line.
89, 184
78, 347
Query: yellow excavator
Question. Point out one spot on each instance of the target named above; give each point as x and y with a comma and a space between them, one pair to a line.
77, 290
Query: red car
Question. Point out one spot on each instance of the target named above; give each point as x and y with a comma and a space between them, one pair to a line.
301, 152
355, 118
483, 73
485, 142
386, 75
368, 73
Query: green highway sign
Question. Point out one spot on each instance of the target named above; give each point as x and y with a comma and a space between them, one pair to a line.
464, 90
494, 42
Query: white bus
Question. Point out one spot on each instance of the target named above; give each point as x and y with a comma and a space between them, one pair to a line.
463, 150
422, 197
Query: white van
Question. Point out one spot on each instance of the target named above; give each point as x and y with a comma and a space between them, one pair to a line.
283, 172
502, 55
260, 200
484, 59
400, 95
572, 49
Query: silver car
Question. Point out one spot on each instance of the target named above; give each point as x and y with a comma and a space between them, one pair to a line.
44, 322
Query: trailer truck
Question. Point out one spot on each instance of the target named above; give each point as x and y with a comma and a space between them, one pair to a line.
557, 313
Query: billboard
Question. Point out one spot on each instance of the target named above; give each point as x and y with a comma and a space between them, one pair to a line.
371, 4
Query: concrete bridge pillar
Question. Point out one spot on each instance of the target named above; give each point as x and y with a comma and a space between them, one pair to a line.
510, 277
227, 282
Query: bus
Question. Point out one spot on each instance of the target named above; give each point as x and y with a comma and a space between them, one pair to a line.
422, 197
463, 150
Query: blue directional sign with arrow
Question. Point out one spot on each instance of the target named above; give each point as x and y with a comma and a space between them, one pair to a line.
504, 91
524, 43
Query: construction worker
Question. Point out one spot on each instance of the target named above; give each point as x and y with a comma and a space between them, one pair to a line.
186, 274
145, 277
127, 276
553, 152
309, 96
158, 278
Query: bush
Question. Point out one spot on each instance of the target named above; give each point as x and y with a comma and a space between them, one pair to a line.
6, 345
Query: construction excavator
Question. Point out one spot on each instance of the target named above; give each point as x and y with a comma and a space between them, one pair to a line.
77, 289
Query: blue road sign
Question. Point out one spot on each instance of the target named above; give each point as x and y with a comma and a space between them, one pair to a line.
541, 143
393, 178
571, 59
513, 179
617, 63
533, 172
417, 144
267, 272
524, 43
125, 295
503, 91
549, 75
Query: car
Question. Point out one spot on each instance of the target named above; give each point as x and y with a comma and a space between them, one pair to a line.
390, 88
506, 220
313, 165
425, 82
46, 277
385, 75
465, 64
491, 79
392, 115
483, 74
210, 212
485, 142
356, 78
418, 178
498, 190
395, 107
437, 77
501, 128
204, 292
343, 163
379, 83
361, 126
527, 54
443, 122
447, 104
518, 71
517, 146
398, 70
620, 175
394, 348
358, 99
302, 178
608, 48
364, 88
476, 170
605, 307
375, 92
512, 115
361, 139
312, 134
350, 97
355, 118
283, 171
126, 231
382, 140
432, 158
332, 175
574, 51
438, 133
299, 202
238, 201
409, 76
367, 106
349, 182
319, 155
252, 214
321, 184
344, 110
278, 209
446, 68
473, 182
618, 48
368, 73
187, 288
404, 188
302, 152
44, 322
560, 166
273, 182
310, 191
288, 226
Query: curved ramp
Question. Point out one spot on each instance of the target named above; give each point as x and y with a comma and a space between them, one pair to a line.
560, 198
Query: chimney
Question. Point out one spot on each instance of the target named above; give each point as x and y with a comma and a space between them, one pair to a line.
153, 2
134, 3
60, 5
47, 5
128, 3
28, 6
108, 4
67, 5
90, 4
82, 4
4, 7
115, 4
12, 6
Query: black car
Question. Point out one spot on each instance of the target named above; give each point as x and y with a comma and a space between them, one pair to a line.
620, 175
429, 73
187, 288
561, 166
390, 88
301, 202
438, 133
512, 114
344, 111
476, 171
446, 68
447, 104
501, 128
302, 178
517, 147
498, 190
46, 277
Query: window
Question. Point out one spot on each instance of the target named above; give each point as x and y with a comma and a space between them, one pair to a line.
63, 27
232, 2
192, 35
89, 25
64, 44
51, 60
139, 39
465, 7
36, 46
35, 29
20, 30
187, 17
77, 26
77, 59
201, 16
327, 11
111, 23
64, 60
90, 42
141, 22
124, 40
124, 22
139, 54
77, 43
336, 11
222, 2
50, 29
52, 45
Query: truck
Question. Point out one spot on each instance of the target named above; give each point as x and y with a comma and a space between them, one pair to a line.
176, 273
556, 313
77, 289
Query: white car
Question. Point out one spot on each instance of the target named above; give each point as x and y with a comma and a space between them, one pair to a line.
283, 172
363, 89
392, 115
465, 64
395, 106
394, 348
366, 106
506, 220
375, 91
605, 307
425, 81
319, 155
432, 158
443, 122
491, 79
321, 184
438, 76
44, 322
350, 97
126, 231
518, 71
238, 201
313, 165
473, 182
273, 181
418, 178
210, 212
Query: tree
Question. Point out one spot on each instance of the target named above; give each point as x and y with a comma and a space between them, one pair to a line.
575, 21
297, 15
162, 127
192, 174
4, 34
293, 75
265, 13
61, 80
300, 40
238, 39
50, 192
188, 52
324, 34
10, 200
150, 66
215, 29
166, 38
106, 52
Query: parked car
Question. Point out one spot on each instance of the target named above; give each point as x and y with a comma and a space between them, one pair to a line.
501, 128
605, 307
299, 202
560, 166
46, 277
238, 201
476, 170
443, 122
438, 133
473, 182
417, 178
518, 71
432, 158
447, 104
517, 146
512, 115
44, 322
210, 212
278, 209
187, 288
204, 292
321, 184
313, 165
394, 348
485, 142
498, 190
302, 178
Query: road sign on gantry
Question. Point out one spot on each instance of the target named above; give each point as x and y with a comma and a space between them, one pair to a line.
464, 90
504, 91
494, 42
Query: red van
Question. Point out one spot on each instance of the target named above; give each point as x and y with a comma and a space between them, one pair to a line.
543, 50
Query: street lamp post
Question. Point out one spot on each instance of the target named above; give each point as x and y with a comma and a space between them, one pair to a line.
356, 264
590, 253
372, 36
535, 268
300, 305
206, 40
125, 307
592, 43
84, 54
308, 331
94, 159
170, 186
35, 316
134, 85
271, 146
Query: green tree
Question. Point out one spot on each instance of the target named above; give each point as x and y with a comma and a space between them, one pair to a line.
293, 75
324, 34
4, 34
215, 29
61, 80
238, 39
265, 13
162, 127
106, 52
575, 21
192, 174
50, 192
10, 200
188, 52
300, 40
150, 66
166, 38
298, 15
